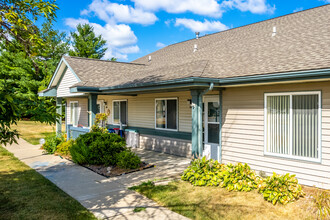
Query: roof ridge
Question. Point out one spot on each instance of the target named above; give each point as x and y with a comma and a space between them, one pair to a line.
206, 35
85, 58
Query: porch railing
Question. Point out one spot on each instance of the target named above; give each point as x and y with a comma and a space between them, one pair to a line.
74, 132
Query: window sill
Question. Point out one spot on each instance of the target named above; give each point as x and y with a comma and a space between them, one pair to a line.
166, 129
295, 158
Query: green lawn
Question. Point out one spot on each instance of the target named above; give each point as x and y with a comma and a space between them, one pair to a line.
32, 131
26, 194
218, 203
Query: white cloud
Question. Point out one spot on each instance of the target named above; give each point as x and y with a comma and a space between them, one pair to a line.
254, 6
119, 13
201, 7
160, 45
120, 38
299, 9
199, 26
326, 1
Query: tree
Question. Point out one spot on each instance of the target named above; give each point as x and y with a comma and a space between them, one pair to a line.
86, 44
21, 44
17, 22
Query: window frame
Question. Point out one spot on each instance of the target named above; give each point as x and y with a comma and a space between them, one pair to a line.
113, 111
177, 113
290, 156
73, 102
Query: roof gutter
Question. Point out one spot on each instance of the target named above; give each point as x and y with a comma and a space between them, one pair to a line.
206, 82
288, 76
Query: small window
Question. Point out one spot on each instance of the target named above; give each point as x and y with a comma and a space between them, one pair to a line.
74, 113
292, 124
167, 113
120, 112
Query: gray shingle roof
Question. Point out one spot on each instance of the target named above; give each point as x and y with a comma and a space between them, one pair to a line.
302, 42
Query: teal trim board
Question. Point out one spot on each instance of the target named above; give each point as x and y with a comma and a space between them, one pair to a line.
155, 132
195, 95
92, 108
59, 119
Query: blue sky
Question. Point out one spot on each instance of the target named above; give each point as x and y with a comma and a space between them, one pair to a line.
134, 28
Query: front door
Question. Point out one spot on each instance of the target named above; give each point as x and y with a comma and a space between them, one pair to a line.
211, 127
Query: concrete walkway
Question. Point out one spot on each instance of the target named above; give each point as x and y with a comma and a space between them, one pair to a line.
107, 198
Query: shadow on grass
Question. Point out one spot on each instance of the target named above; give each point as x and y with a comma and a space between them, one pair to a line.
25, 194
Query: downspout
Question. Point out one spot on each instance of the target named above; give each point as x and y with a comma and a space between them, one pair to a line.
200, 119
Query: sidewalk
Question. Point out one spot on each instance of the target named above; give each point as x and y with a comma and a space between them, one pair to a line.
106, 198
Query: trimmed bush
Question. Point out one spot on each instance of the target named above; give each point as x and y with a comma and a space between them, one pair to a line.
51, 143
64, 147
280, 188
97, 148
128, 160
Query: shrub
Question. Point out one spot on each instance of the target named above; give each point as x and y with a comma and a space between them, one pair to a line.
204, 172
97, 148
238, 177
51, 143
128, 160
280, 188
64, 147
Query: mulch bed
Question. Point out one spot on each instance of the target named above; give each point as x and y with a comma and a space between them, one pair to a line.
112, 171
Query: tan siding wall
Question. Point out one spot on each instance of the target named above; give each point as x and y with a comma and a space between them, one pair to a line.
141, 109
243, 133
67, 81
82, 110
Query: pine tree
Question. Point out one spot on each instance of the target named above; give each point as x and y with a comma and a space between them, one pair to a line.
86, 44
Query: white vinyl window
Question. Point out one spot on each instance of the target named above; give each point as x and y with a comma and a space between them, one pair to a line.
166, 113
74, 113
293, 125
119, 112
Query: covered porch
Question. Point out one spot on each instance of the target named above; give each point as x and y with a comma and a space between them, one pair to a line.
182, 120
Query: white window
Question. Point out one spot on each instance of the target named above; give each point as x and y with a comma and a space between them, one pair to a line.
119, 112
74, 113
166, 113
293, 125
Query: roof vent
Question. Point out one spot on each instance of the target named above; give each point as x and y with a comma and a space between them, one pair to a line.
197, 35
149, 59
274, 31
195, 47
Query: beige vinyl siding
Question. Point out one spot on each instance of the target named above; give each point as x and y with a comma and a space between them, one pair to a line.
67, 81
243, 132
82, 110
141, 109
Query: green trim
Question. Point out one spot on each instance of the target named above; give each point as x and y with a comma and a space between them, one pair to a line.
49, 93
277, 77
92, 108
161, 133
59, 119
195, 95
187, 86
198, 82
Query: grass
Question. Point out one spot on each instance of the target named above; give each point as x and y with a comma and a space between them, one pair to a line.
139, 209
32, 131
218, 203
25, 194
